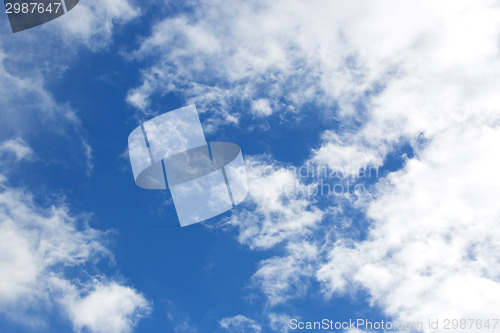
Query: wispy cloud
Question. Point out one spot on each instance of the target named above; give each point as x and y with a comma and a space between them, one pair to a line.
280, 322
240, 323
278, 206
28, 106
42, 249
258, 57
179, 319
286, 277
18, 148
93, 22
387, 79
89, 159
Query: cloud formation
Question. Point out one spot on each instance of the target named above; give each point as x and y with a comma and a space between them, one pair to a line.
389, 80
94, 21
42, 248
278, 208
432, 249
241, 324
46, 253
16, 147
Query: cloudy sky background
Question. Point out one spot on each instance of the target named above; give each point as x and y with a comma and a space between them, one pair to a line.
409, 90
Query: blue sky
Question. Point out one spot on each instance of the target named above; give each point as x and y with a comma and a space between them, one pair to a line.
329, 85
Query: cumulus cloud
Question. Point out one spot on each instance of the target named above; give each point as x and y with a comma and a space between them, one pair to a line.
241, 324
278, 206
47, 253
109, 307
18, 148
432, 250
286, 54
92, 22
433, 83
387, 79
261, 107
216, 57
41, 248
347, 157
278, 211
428, 252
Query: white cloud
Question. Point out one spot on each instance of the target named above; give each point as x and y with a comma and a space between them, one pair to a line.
220, 56
39, 247
261, 107
433, 249
45, 252
26, 95
17, 147
29, 110
44, 54
91, 22
347, 158
109, 307
88, 157
279, 209
286, 277
138, 99
437, 69
242, 46
322, 53
280, 322
240, 323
